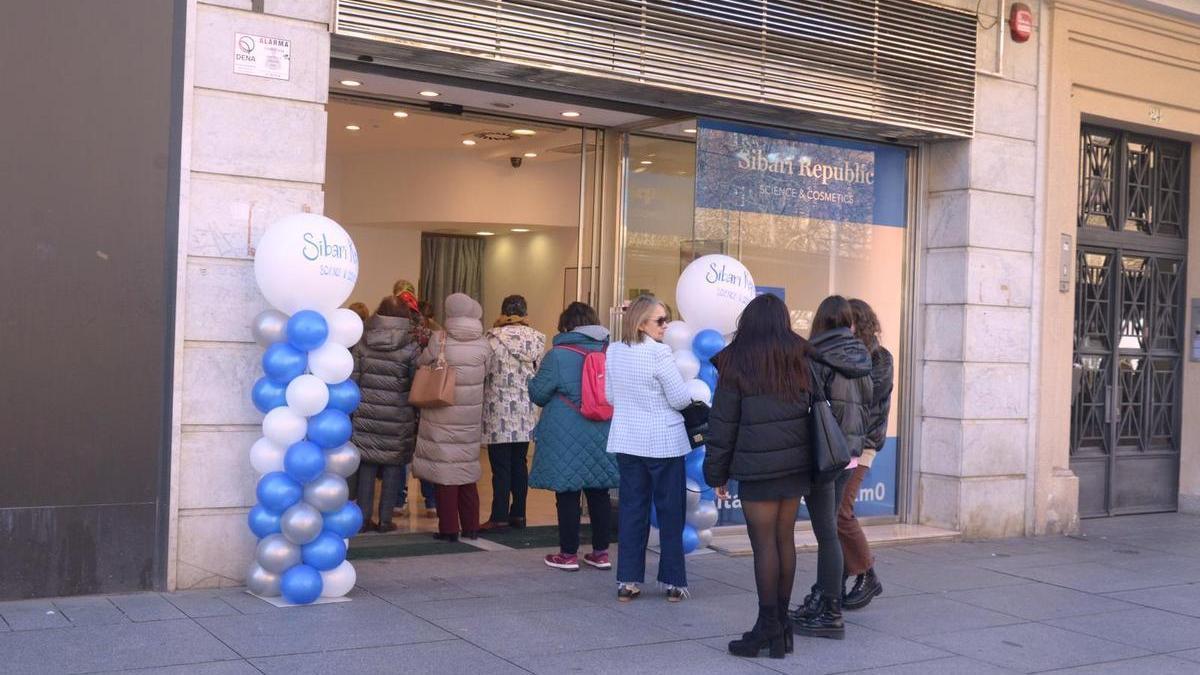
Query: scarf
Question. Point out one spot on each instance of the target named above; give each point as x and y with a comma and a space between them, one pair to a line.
511, 320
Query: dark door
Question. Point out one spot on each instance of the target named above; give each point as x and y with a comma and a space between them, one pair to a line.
1129, 314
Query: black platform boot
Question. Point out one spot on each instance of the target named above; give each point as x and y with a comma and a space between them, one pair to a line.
866, 587
828, 621
807, 608
766, 634
785, 621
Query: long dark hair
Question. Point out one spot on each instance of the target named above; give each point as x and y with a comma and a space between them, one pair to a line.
766, 356
866, 324
833, 312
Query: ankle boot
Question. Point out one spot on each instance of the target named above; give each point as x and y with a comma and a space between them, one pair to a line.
766, 634
866, 587
828, 621
808, 607
785, 622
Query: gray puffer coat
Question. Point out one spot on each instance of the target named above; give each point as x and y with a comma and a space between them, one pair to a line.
385, 425
842, 368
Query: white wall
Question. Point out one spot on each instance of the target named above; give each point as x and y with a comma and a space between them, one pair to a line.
385, 254
531, 265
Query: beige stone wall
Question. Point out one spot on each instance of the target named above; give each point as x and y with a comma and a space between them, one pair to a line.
253, 151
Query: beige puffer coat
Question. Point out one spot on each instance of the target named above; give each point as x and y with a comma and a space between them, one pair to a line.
449, 438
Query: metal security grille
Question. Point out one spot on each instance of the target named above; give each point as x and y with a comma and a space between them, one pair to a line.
902, 63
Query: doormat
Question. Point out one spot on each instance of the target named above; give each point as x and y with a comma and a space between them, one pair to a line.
403, 546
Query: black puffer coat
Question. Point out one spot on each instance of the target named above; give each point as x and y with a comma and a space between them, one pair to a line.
842, 366
882, 381
756, 437
385, 425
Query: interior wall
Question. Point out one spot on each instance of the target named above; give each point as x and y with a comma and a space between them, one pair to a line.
385, 254
533, 265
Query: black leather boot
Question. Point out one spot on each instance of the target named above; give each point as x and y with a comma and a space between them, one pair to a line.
828, 621
785, 622
808, 607
866, 587
766, 634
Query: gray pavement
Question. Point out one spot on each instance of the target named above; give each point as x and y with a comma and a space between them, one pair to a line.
1123, 598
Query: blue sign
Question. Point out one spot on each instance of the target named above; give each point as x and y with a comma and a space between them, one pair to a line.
776, 291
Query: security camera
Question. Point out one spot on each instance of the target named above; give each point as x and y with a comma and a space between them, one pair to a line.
516, 161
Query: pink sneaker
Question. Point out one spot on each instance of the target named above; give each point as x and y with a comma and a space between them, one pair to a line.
562, 561
598, 559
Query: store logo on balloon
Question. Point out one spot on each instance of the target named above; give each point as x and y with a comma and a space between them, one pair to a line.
736, 285
321, 248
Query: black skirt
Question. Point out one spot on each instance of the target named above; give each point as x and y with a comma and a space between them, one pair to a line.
771, 489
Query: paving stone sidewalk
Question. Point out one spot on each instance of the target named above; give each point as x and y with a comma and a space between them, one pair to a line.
1123, 598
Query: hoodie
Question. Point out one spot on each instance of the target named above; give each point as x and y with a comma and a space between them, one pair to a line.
385, 425
508, 415
842, 367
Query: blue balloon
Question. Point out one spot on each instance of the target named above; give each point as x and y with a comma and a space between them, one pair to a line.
691, 539
708, 375
706, 344
304, 461
694, 464
345, 396
653, 516
307, 330
263, 522
301, 584
329, 428
708, 494
325, 552
283, 362
268, 395
345, 522
277, 491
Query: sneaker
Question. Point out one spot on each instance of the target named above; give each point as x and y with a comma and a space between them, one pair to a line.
676, 594
627, 592
563, 561
598, 559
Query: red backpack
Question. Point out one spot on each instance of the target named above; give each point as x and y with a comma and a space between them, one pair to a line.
595, 404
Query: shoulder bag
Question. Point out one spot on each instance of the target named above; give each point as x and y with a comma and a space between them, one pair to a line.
433, 385
831, 450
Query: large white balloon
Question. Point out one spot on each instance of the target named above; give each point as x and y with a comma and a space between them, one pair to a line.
712, 292
305, 261
699, 391
266, 456
688, 364
345, 328
338, 581
331, 362
679, 336
284, 426
308, 395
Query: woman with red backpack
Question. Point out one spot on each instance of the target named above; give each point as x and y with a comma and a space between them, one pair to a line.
572, 435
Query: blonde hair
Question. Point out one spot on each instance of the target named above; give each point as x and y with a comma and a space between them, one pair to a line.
636, 314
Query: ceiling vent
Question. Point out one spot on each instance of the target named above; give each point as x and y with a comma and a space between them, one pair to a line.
494, 136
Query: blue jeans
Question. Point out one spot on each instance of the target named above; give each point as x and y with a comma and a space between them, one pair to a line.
661, 481
427, 490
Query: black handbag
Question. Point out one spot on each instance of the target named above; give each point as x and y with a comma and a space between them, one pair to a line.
831, 450
695, 420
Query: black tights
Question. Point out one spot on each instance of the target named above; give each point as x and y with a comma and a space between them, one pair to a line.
771, 525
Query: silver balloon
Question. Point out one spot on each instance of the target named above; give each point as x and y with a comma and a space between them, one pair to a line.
270, 326
703, 517
301, 523
693, 495
327, 492
261, 582
706, 537
276, 554
342, 461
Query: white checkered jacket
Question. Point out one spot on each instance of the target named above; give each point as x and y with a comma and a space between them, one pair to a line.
647, 392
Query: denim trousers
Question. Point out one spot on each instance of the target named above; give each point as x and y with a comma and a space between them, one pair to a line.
661, 482
390, 474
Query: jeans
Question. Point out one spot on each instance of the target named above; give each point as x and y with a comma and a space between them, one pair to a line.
390, 474
458, 505
822, 511
855, 549
569, 514
510, 477
428, 490
646, 480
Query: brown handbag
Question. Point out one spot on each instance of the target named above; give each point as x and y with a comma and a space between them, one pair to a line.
433, 385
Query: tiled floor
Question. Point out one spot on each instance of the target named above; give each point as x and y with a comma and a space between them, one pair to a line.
1122, 599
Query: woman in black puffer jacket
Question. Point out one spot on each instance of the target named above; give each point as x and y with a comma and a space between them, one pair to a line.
385, 425
759, 436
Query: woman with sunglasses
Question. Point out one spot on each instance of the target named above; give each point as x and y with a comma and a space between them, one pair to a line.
649, 439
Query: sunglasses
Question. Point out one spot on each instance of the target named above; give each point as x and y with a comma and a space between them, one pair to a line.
662, 321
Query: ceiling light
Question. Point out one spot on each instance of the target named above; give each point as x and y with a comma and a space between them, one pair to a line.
428, 93
524, 132
400, 113
485, 234
351, 83
646, 162
640, 169
352, 127
570, 113
531, 155
520, 229
468, 142
689, 131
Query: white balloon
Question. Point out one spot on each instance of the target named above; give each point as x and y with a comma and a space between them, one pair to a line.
331, 362
712, 292
266, 456
345, 327
706, 537
338, 581
688, 364
699, 391
284, 426
307, 395
305, 261
679, 336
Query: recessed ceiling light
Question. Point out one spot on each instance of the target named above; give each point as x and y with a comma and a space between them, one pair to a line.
429, 93
400, 113
351, 83
485, 234
646, 162
352, 127
570, 113
468, 142
640, 169
520, 229
531, 154
689, 131
524, 132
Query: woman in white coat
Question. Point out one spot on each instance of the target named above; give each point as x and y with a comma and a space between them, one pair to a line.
649, 439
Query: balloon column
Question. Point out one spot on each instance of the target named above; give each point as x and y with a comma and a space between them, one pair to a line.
305, 266
711, 294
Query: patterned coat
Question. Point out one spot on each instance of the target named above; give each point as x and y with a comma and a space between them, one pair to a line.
571, 449
508, 415
647, 392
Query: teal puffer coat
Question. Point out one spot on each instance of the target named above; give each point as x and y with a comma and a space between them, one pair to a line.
571, 450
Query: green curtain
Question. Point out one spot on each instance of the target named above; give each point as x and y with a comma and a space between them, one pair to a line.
449, 265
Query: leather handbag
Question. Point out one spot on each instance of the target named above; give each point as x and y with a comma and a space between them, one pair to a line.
831, 450
695, 420
433, 385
